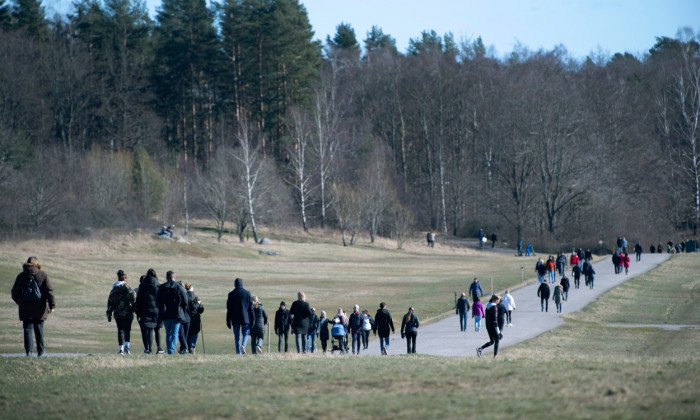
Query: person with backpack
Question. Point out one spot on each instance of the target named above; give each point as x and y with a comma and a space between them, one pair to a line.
121, 303
147, 311
195, 318
409, 329
33, 294
172, 302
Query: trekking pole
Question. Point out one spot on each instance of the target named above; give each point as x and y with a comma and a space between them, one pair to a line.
268, 337
201, 329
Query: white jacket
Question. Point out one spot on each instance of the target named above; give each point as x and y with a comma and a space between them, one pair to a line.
508, 301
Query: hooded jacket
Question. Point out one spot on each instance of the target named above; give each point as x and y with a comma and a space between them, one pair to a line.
281, 321
239, 306
146, 308
383, 323
172, 301
39, 310
121, 301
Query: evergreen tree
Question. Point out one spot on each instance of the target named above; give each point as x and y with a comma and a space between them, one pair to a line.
29, 16
5, 15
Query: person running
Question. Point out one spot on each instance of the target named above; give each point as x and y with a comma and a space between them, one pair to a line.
383, 325
299, 315
147, 312
475, 289
492, 326
239, 315
463, 311
509, 303
121, 302
409, 329
367, 322
282, 327
543, 293
172, 301
33, 294
355, 328
501, 318
477, 314
195, 318
558, 296
257, 330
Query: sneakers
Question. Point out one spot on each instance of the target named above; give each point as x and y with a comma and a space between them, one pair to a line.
161, 351
478, 351
127, 350
147, 351
121, 351
258, 349
510, 324
242, 350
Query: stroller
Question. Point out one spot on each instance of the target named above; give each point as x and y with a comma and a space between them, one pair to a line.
339, 340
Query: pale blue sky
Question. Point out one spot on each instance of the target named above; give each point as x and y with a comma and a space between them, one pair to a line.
582, 26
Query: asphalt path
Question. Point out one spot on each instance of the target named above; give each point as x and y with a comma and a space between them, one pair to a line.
443, 338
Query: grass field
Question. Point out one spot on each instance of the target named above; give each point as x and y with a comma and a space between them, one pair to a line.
585, 369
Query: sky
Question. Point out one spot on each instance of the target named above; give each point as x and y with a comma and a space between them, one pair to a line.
584, 27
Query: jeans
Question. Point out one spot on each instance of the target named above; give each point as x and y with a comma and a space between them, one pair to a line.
238, 330
183, 334
383, 344
411, 342
552, 276
311, 342
38, 328
284, 335
356, 339
301, 342
172, 329
365, 338
558, 306
477, 322
462, 321
255, 341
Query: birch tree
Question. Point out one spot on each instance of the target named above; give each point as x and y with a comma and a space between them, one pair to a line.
298, 150
250, 166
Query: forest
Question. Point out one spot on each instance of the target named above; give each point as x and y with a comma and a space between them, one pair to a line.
236, 115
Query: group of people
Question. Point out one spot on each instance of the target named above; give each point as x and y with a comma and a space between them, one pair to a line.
172, 305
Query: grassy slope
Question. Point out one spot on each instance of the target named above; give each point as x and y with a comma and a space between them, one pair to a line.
582, 370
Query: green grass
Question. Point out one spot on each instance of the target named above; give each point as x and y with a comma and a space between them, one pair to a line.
585, 369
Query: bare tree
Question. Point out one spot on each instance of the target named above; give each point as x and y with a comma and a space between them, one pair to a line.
376, 190
215, 189
403, 221
348, 205
250, 165
299, 162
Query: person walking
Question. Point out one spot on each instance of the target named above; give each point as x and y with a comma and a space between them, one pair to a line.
475, 289
257, 330
184, 331
625, 257
147, 312
494, 238
239, 314
313, 331
383, 325
121, 303
477, 314
282, 327
541, 269
638, 251
551, 269
565, 285
197, 309
462, 309
323, 333
172, 302
561, 264
558, 296
586, 267
509, 302
590, 275
543, 292
492, 326
32, 291
355, 328
576, 271
367, 322
299, 315
409, 329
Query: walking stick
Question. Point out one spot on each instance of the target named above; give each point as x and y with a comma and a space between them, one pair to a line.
201, 329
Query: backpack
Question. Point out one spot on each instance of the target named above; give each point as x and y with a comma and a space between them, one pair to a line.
31, 291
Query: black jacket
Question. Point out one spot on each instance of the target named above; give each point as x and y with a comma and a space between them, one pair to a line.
146, 308
260, 321
323, 332
239, 306
543, 291
491, 315
565, 283
300, 312
172, 301
355, 322
281, 321
410, 323
501, 315
383, 324
462, 305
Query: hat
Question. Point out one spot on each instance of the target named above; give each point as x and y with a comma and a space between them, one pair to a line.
282, 303
120, 273
356, 307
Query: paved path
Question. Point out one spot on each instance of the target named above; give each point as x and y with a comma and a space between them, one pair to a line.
443, 338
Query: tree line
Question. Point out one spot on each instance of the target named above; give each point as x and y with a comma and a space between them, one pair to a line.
235, 113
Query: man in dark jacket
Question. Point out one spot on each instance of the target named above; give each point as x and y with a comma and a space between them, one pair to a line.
282, 327
543, 292
33, 312
172, 303
355, 327
475, 289
239, 314
463, 311
383, 324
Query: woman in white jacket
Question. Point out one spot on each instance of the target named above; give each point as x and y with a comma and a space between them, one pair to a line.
509, 303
